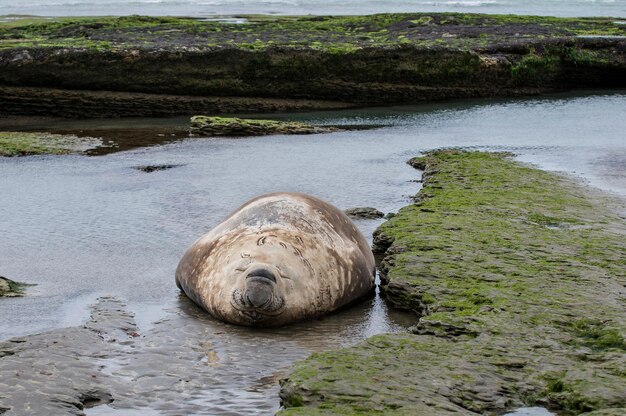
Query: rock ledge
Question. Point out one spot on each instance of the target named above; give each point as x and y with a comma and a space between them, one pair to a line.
225, 126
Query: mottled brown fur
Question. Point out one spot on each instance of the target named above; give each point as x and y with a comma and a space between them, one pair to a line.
322, 260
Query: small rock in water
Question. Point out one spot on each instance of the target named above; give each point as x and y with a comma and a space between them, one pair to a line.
364, 212
154, 168
418, 163
10, 288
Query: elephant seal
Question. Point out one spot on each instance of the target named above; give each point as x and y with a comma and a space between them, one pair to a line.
279, 258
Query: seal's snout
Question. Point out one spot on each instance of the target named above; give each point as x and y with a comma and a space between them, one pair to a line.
260, 287
261, 297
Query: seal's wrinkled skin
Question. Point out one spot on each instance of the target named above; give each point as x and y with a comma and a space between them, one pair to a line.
279, 258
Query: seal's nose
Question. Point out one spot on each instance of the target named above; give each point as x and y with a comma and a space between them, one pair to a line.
259, 294
260, 286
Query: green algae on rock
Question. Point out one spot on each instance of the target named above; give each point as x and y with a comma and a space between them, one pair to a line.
336, 34
10, 288
232, 126
23, 144
517, 278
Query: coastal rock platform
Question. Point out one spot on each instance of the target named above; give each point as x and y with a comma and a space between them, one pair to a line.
517, 280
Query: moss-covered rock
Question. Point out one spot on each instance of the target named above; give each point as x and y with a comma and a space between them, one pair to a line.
23, 144
335, 34
232, 126
517, 277
10, 288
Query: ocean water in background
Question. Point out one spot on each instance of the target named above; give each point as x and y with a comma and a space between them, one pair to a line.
615, 8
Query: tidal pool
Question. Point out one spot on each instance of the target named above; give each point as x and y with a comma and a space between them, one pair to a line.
83, 227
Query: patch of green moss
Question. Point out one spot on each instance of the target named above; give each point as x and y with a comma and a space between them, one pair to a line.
232, 126
24, 144
533, 69
596, 335
338, 33
585, 57
547, 221
568, 397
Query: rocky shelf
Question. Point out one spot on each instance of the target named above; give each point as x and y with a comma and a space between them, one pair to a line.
232, 126
516, 277
161, 66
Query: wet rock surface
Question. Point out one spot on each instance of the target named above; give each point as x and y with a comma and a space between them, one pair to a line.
232, 126
57, 372
110, 360
510, 311
364, 213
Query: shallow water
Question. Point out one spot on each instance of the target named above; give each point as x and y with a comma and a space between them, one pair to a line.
81, 227
302, 7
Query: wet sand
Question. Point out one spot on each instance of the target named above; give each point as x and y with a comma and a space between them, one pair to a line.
183, 363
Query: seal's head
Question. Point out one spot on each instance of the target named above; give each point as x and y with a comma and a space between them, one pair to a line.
261, 278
